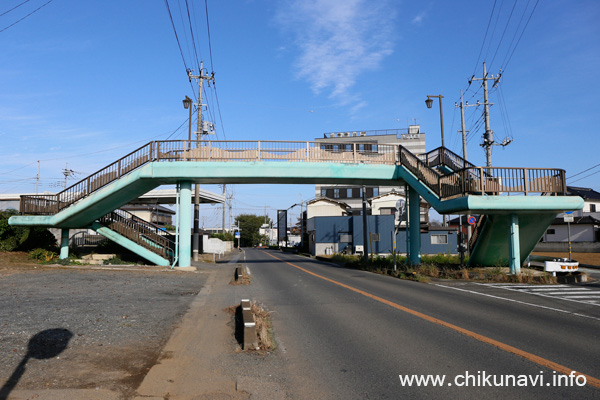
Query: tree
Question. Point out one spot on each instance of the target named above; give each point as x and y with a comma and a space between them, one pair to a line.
23, 238
249, 225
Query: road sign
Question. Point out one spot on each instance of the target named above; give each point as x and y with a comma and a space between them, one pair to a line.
569, 218
238, 235
472, 220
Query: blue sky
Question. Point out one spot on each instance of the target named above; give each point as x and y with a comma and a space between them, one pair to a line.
85, 83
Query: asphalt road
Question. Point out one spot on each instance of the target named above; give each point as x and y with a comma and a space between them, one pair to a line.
350, 335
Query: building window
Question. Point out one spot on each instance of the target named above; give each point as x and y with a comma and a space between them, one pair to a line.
336, 193
439, 239
375, 191
323, 192
387, 211
592, 208
345, 238
550, 231
349, 193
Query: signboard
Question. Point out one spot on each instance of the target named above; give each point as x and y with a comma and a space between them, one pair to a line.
238, 235
281, 226
472, 220
569, 218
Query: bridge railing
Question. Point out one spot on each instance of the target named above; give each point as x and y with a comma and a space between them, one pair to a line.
462, 181
500, 180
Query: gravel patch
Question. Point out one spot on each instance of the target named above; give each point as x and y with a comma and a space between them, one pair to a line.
113, 323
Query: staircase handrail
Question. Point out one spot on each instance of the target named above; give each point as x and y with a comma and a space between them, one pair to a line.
138, 232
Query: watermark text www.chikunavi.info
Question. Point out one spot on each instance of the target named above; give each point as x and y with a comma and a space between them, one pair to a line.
483, 379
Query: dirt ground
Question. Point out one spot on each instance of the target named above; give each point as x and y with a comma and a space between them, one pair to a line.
583, 258
112, 323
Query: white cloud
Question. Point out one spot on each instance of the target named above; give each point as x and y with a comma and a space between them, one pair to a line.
338, 40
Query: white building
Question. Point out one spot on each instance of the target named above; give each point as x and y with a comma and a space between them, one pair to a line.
412, 139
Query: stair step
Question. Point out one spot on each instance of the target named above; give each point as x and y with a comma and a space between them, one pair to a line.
98, 257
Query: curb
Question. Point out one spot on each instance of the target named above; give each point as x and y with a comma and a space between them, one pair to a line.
250, 337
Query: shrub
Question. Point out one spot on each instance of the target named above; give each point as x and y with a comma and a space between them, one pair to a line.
43, 255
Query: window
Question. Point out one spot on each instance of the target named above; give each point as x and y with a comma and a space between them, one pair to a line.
550, 231
439, 239
336, 193
349, 193
387, 211
375, 191
323, 192
592, 208
345, 238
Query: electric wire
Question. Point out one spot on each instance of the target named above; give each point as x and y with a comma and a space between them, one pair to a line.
587, 176
521, 36
28, 15
484, 38
586, 170
503, 32
493, 30
14, 8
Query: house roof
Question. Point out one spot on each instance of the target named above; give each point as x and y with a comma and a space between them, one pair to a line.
148, 207
585, 220
585, 193
338, 203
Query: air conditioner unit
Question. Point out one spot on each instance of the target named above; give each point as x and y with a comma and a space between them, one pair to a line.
363, 134
346, 134
340, 134
359, 249
354, 134
332, 135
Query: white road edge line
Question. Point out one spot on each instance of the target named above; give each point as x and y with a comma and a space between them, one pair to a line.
520, 302
539, 294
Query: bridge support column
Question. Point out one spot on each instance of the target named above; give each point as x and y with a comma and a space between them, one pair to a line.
414, 226
514, 249
64, 243
185, 224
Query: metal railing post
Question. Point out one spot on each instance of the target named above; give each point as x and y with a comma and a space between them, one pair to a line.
525, 181
258, 153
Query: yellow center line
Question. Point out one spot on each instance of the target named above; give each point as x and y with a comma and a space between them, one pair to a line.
528, 356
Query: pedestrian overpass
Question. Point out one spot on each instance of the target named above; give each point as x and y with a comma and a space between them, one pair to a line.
517, 204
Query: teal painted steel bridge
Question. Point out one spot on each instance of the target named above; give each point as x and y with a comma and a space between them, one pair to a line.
518, 204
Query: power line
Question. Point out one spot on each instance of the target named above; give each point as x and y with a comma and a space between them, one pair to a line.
579, 173
484, 37
31, 13
14, 8
587, 176
504, 32
176, 36
522, 32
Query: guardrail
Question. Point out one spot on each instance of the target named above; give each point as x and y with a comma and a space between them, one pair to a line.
462, 181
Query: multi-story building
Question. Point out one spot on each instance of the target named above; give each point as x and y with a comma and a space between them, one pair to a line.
412, 139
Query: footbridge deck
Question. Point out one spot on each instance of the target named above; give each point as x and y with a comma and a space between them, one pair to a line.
446, 181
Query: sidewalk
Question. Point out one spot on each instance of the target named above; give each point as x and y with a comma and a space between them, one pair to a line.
192, 364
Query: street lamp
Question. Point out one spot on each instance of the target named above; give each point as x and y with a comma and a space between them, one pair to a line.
429, 104
187, 104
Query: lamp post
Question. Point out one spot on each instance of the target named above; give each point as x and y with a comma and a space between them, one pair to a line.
429, 103
187, 104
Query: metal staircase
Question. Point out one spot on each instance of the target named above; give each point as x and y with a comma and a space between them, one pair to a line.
141, 232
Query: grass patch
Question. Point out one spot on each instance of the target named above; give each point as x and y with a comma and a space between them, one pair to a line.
442, 266
264, 328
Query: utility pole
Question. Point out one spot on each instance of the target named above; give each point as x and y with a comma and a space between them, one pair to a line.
37, 177
488, 136
67, 173
464, 145
196, 239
